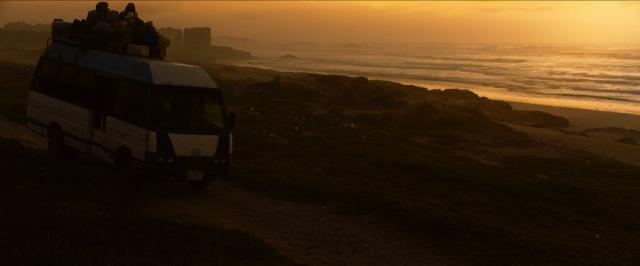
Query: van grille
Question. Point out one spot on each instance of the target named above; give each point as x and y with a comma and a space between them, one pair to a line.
196, 163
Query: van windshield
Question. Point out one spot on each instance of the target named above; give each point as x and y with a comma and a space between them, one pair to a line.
181, 108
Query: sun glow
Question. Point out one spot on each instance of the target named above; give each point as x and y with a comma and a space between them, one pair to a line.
379, 21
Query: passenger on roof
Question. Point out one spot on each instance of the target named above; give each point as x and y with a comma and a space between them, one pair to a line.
115, 32
151, 38
135, 26
129, 11
100, 26
102, 13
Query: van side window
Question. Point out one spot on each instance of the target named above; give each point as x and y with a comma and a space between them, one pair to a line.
136, 108
120, 100
105, 95
67, 74
36, 84
47, 71
64, 87
130, 103
86, 79
85, 87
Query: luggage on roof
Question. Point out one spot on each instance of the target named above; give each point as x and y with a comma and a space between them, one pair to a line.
112, 31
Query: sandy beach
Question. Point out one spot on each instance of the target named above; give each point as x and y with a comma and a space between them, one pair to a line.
585, 118
320, 133
434, 167
583, 114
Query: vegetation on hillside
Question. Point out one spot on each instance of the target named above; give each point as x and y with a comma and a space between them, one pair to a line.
440, 165
82, 214
437, 164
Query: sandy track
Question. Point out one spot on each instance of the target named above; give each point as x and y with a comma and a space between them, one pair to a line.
12, 130
309, 235
626, 153
314, 235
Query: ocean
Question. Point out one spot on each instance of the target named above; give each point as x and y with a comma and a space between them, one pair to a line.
589, 77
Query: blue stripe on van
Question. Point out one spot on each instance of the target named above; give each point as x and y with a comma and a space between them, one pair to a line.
220, 132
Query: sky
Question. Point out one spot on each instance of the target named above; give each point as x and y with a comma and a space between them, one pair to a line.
569, 22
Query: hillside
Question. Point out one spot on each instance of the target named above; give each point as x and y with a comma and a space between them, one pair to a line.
24, 42
443, 171
442, 165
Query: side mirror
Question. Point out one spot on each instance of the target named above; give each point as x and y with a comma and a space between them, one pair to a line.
231, 120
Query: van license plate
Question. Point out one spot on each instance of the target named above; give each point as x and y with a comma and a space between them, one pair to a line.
195, 175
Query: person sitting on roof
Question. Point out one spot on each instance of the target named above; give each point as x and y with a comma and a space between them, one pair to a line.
100, 26
151, 38
129, 11
102, 13
134, 25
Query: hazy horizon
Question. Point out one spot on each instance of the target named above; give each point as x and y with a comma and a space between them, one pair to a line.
548, 23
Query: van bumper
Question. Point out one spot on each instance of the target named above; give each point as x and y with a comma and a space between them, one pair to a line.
180, 167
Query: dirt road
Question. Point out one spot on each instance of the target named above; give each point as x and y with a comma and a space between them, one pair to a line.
310, 235
626, 153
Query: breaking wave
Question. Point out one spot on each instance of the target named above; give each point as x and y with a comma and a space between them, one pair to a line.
601, 73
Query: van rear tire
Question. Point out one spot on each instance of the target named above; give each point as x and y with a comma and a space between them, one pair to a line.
55, 147
125, 168
123, 163
200, 185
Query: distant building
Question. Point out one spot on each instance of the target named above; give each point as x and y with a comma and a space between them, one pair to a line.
194, 45
20, 35
173, 34
197, 37
22, 26
189, 37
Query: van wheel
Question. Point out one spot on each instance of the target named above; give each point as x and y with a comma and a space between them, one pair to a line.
200, 185
125, 168
124, 162
56, 146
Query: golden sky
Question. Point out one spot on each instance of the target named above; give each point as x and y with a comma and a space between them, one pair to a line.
377, 21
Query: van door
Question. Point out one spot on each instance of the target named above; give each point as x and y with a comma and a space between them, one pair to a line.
126, 122
104, 96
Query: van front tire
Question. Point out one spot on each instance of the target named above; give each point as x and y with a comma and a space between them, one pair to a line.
123, 163
125, 168
199, 185
56, 146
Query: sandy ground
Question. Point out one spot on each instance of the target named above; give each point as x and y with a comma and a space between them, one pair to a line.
585, 118
582, 119
309, 235
11, 130
316, 235
626, 153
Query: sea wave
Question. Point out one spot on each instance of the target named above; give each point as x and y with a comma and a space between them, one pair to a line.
608, 74
475, 59
585, 96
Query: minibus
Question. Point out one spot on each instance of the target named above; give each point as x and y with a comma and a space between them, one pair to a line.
133, 112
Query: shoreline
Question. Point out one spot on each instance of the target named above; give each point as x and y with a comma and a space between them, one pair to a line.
584, 118
576, 111
580, 116
496, 93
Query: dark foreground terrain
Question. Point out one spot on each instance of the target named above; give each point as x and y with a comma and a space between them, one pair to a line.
64, 214
429, 171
